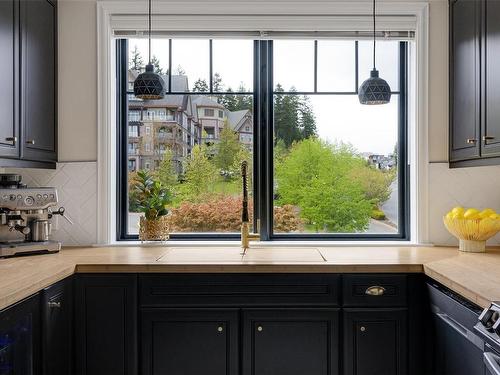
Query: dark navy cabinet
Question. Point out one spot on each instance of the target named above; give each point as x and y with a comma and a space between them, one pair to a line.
474, 83
28, 95
190, 341
106, 324
291, 341
375, 341
57, 328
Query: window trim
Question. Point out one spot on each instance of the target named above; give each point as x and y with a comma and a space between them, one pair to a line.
121, 15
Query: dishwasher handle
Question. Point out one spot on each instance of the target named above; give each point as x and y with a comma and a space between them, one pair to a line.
492, 362
459, 328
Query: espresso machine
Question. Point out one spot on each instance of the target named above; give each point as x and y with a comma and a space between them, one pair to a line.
25, 218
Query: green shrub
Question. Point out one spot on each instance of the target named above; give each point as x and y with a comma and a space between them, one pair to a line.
378, 214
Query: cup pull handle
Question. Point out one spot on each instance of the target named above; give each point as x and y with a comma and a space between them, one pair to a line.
375, 290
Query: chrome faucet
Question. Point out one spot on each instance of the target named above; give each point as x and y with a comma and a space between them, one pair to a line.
246, 236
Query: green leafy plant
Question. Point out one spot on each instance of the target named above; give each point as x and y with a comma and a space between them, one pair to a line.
150, 196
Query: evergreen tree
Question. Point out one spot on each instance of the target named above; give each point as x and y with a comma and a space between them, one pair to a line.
136, 62
228, 100
307, 119
200, 86
286, 117
180, 71
217, 84
156, 63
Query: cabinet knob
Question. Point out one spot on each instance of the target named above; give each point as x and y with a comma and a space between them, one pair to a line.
30, 141
220, 329
488, 137
375, 290
11, 139
259, 328
54, 305
471, 140
362, 329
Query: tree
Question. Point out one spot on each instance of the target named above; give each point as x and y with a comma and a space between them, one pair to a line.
199, 175
226, 149
180, 71
307, 119
228, 100
200, 86
156, 63
136, 62
166, 172
376, 184
217, 84
315, 177
286, 117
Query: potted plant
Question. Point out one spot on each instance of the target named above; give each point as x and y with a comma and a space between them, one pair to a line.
151, 198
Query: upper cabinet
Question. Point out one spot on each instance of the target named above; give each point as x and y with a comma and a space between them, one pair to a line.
38, 80
9, 64
474, 82
28, 101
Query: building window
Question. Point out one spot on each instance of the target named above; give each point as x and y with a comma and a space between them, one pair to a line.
147, 130
330, 167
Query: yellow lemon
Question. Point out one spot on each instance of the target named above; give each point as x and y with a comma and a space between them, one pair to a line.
487, 212
471, 214
449, 215
495, 216
458, 210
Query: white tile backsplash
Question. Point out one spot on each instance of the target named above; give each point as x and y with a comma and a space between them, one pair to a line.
468, 187
76, 183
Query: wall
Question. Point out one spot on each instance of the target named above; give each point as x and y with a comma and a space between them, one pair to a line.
78, 106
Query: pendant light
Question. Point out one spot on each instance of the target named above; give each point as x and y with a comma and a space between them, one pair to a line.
149, 85
374, 90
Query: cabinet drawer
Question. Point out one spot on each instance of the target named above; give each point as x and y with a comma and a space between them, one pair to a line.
239, 290
374, 290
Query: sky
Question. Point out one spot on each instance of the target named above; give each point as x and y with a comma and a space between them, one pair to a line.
339, 118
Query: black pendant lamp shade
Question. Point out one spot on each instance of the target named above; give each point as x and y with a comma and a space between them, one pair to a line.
374, 90
149, 85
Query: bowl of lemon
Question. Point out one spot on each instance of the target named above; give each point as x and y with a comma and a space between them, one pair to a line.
472, 227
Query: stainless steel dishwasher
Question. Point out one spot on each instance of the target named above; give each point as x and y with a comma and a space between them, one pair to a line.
458, 349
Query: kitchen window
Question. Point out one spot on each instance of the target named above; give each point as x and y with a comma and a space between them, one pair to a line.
323, 166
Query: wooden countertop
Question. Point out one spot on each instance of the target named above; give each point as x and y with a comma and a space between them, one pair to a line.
474, 276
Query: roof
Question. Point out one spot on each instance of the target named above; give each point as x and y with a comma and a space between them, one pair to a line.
205, 101
237, 118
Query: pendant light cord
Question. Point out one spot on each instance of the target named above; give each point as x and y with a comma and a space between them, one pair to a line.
373, 34
149, 28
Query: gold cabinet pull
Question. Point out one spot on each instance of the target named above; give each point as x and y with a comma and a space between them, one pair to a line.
54, 305
375, 290
259, 328
220, 329
471, 140
488, 137
362, 329
11, 139
30, 141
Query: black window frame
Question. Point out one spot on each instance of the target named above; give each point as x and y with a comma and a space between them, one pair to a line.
263, 95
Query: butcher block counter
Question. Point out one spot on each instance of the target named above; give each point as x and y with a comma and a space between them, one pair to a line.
474, 276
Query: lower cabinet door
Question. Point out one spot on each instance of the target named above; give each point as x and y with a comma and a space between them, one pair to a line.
375, 342
290, 341
189, 341
106, 324
57, 323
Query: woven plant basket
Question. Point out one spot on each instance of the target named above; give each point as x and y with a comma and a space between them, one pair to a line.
472, 234
154, 230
